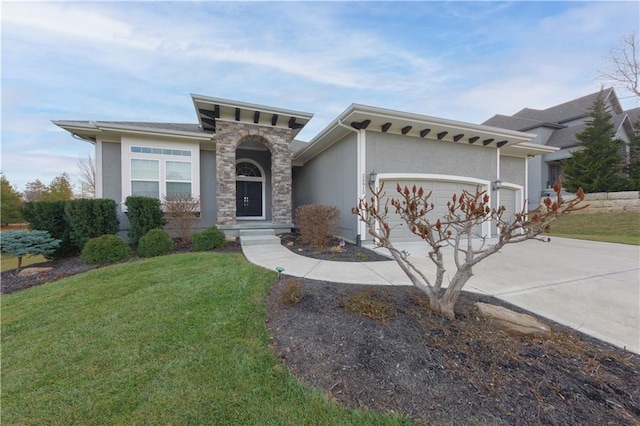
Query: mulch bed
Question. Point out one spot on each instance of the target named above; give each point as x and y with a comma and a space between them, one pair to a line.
379, 348
332, 251
438, 371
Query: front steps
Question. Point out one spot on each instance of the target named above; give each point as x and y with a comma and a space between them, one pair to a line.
258, 237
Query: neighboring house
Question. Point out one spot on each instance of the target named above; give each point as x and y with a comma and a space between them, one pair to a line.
556, 127
243, 162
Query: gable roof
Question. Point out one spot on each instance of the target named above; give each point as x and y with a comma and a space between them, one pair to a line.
209, 110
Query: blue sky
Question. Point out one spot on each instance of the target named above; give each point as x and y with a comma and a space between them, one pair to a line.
141, 61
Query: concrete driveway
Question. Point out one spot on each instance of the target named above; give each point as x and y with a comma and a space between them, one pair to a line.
590, 286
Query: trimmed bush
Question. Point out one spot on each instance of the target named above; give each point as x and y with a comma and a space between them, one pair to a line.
144, 214
105, 249
156, 242
317, 223
49, 216
88, 218
209, 239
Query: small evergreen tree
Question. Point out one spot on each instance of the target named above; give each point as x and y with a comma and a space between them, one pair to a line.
11, 202
21, 243
144, 214
597, 166
633, 167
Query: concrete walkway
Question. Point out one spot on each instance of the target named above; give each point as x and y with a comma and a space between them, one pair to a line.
590, 286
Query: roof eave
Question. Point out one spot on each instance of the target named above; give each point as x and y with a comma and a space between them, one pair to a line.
335, 131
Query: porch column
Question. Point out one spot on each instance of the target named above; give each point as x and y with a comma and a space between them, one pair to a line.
226, 177
281, 181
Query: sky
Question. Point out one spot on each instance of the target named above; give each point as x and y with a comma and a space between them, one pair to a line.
141, 61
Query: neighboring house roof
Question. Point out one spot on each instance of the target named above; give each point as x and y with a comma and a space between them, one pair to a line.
357, 117
557, 117
570, 110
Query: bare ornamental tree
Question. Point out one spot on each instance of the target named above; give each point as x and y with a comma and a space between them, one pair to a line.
455, 230
625, 65
87, 169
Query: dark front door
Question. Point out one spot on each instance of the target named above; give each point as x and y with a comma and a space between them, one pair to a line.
248, 198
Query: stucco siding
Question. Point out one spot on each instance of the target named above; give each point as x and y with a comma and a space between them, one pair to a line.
512, 170
331, 178
208, 206
388, 153
111, 174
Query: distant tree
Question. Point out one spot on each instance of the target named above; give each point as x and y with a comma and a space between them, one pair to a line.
625, 65
59, 189
87, 169
11, 202
597, 166
34, 191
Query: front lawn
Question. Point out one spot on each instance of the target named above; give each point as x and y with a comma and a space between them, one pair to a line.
11, 262
608, 227
177, 339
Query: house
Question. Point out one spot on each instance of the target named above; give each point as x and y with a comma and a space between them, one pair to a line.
557, 126
250, 172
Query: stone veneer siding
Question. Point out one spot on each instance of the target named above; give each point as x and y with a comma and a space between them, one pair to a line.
231, 134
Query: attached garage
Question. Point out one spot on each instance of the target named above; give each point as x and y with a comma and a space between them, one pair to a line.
443, 188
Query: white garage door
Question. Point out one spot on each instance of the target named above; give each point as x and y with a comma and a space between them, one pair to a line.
442, 193
508, 199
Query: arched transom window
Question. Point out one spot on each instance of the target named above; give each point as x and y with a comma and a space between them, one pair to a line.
246, 169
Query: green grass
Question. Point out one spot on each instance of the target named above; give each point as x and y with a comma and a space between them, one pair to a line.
11, 262
608, 227
176, 339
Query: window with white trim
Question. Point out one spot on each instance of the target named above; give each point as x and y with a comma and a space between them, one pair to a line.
145, 178
178, 177
158, 172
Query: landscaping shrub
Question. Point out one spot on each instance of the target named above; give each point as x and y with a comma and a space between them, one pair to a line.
49, 216
90, 218
363, 302
105, 249
291, 292
144, 214
182, 210
156, 242
209, 239
317, 223
21, 243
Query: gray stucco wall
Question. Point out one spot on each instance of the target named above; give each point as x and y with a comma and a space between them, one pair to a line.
112, 178
111, 171
207, 189
387, 153
331, 178
512, 170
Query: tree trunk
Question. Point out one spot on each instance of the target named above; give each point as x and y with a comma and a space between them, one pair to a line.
19, 265
445, 310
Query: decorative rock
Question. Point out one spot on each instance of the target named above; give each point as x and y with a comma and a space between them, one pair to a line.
511, 321
27, 272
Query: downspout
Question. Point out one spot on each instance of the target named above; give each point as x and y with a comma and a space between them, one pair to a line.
360, 167
497, 179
